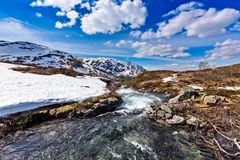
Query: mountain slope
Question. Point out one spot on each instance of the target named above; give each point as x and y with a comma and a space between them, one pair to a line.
113, 66
42, 56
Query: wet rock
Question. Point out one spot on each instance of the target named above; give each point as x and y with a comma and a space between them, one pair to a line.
90, 108
213, 100
175, 120
184, 94
113, 100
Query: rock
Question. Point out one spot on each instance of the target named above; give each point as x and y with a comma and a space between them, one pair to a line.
160, 114
168, 115
175, 120
112, 100
150, 110
184, 94
184, 134
103, 101
192, 121
175, 133
165, 108
213, 100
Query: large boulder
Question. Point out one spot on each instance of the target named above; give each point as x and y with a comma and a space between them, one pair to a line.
213, 100
184, 94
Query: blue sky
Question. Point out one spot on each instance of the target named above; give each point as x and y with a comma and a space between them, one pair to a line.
158, 34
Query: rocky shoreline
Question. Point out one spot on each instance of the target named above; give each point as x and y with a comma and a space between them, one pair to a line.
182, 112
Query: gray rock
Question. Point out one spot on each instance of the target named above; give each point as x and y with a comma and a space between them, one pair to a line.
175, 120
103, 101
112, 100
184, 94
193, 121
213, 100
168, 115
165, 108
160, 113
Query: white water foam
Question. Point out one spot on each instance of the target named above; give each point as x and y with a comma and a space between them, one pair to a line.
135, 100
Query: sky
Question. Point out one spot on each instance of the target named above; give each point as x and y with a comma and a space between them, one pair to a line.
157, 34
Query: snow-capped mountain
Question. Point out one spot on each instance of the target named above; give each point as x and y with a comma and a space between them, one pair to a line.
42, 56
114, 67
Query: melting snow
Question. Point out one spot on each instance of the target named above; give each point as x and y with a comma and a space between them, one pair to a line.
170, 79
196, 87
24, 91
233, 88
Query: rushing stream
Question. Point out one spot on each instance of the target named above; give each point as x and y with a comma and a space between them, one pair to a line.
124, 134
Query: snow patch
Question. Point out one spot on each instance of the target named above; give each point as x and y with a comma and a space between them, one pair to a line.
232, 88
196, 87
24, 91
170, 79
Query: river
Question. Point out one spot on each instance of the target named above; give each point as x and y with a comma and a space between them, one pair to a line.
124, 134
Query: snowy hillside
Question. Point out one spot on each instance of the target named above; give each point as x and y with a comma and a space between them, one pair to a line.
24, 91
30, 53
34, 54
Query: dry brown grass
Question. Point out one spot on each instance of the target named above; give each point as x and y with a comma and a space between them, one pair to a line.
212, 78
48, 71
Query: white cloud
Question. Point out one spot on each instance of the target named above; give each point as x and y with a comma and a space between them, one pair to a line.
106, 16
236, 27
72, 16
212, 23
64, 5
109, 17
60, 13
194, 21
135, 34
14, 30
226, 49
184, 7
121, 43
144, 49
86, 5
38, 14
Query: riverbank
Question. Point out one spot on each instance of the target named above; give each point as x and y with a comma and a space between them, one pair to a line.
125, 133
213, 112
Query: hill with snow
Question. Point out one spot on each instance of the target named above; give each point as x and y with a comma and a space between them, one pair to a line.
34, 54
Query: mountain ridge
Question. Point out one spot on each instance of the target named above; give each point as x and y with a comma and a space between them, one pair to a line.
27, 53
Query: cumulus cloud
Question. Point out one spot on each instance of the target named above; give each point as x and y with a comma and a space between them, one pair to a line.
103, 16
72, 16
108, 17
64, 5
212, 23
227, 49
189, 18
